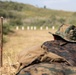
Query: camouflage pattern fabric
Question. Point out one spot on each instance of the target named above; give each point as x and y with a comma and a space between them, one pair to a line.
67, 32
48, 69
56, 57
36, 55
43, 66
73, 34
69, 28
63, 49
26, 57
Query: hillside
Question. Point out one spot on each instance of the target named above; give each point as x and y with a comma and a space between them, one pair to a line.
24, 14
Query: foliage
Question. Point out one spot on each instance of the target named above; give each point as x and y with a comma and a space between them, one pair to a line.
24, 14
15, 22
6, 29
9, 5
62, 21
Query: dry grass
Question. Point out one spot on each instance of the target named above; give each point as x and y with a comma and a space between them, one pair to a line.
22, 40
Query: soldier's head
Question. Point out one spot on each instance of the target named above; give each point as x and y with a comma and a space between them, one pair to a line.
67, 32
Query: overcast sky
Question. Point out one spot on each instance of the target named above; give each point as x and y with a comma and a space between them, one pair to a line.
68, 5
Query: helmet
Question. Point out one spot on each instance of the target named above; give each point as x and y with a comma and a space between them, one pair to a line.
66, 32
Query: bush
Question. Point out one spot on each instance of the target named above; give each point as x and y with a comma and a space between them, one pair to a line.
16, 21
6, 29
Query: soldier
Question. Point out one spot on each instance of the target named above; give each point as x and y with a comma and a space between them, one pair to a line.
55, 57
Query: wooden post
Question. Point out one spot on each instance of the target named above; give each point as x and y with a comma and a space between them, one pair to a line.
1, 41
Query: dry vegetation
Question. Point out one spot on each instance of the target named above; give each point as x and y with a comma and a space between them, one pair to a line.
24, 14
18, 41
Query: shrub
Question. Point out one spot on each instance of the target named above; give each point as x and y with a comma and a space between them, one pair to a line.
16, 21
6, 29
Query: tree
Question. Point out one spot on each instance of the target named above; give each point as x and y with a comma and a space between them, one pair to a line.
44, 7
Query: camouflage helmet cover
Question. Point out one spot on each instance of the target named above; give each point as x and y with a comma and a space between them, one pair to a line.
67, 32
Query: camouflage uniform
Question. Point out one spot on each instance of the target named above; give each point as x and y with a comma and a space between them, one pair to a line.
48, 69
56, 57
